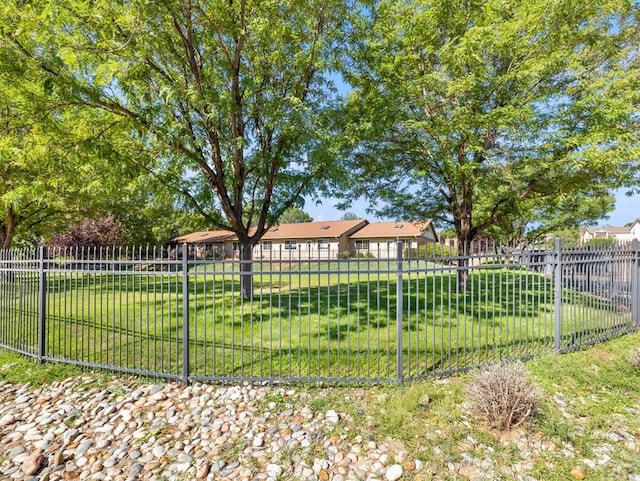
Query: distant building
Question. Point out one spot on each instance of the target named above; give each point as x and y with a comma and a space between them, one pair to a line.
619, 234
307, 240
213, 244
381, 239
316, 240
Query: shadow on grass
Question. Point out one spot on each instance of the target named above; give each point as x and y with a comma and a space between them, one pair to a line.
334, 324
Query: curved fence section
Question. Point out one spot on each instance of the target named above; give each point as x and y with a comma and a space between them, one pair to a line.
373, 318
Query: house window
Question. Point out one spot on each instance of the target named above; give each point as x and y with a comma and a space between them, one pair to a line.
236, 246
362, 245
290, 244
323, 244
266, 245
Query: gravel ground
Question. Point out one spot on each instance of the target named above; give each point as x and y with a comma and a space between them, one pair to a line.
123, 430
173, 432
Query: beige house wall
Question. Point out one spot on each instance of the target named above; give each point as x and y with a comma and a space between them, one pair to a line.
384, 248
328, 248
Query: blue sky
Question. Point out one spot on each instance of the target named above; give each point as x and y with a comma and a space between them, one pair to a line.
627, 209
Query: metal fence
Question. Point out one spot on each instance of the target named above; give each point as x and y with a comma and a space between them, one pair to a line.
161, 312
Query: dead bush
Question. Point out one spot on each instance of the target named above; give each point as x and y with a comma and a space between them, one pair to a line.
503, 395
634, 358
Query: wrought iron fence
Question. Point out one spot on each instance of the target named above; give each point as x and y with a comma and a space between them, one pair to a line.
372, 318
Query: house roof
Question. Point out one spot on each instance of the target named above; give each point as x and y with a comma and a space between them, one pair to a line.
390, 230
204, 237
305, 230
609, 230
313, 230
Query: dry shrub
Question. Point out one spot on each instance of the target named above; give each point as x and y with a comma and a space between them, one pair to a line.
503, 395
634, 358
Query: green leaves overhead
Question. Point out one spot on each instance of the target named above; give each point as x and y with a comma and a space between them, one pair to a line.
230, 90
492, 115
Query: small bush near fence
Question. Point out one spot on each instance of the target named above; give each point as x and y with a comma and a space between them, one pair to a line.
356, 255
600, 243
503, 395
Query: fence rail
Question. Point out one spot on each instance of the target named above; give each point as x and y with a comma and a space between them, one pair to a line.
162, 312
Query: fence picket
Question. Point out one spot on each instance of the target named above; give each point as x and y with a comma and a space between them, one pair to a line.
166, 312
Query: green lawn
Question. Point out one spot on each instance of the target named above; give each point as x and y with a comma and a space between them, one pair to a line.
307, 320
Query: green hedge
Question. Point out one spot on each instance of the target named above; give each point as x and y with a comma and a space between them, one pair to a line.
599, 243
429, 251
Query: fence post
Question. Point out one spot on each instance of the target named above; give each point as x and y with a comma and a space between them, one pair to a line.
635, 285
399, 309
185, 314
42, 304
558, 294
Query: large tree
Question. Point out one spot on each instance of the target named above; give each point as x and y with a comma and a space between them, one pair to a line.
227, 93
490, 115
23, 200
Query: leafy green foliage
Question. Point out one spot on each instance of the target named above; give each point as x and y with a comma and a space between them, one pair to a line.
224, 99
31, 165
225, 96
569, 236
294, 215
59, 162
598, 243
493, 117
430, 250
349, 216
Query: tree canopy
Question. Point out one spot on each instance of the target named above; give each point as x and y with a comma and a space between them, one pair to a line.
294, 215
227, 94
490, 116
350, 216
57, 161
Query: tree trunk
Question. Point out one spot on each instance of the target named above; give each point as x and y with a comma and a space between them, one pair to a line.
465, 234
6, 237
246, 269
464, 251
7, 229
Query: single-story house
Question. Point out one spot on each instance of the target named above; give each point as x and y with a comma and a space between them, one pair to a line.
308, 240
305, 240
215, 244
316, 240
380, 239
619, 234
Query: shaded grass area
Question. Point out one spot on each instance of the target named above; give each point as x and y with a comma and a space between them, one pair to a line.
323, 320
